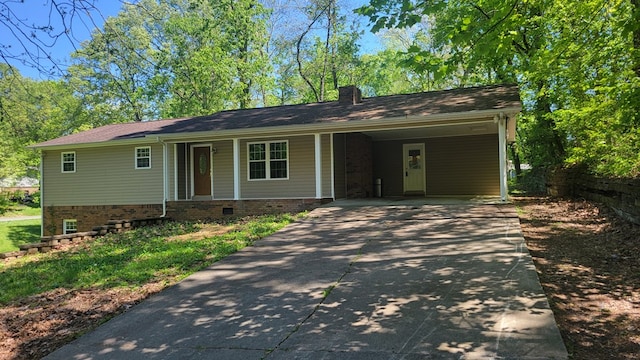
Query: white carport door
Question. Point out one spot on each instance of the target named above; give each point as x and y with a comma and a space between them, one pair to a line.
414, 169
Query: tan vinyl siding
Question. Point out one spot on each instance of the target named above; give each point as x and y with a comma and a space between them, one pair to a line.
301, 181
326, 165
223, 170
104, 176
339, 164
461, 165
464, 165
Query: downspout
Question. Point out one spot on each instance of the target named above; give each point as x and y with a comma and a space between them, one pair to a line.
165, 182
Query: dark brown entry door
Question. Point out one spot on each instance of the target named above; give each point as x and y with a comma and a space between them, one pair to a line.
202, 170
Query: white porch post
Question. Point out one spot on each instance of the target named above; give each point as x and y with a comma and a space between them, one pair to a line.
165, 177
502, 143
318, 153
333, 174
236, 169
42, 200
175, 172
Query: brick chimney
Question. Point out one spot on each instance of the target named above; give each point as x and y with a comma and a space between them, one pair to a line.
349, 95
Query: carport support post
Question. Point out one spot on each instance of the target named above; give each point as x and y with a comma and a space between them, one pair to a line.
502, 143
318, 159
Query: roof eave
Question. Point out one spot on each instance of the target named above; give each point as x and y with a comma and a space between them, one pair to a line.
86, 145
346, 126
325, 127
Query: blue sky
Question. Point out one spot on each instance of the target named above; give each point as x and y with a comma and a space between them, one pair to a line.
38, 12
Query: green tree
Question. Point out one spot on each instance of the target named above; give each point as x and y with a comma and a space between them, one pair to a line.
326, 51
30, 112
576, 63
119, 70
175, 58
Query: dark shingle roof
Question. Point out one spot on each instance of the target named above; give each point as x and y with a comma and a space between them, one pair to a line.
462, 100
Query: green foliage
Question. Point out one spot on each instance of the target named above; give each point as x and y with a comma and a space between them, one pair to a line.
131, 259
577, 64
10, 208
30, 112
175, 58
5, 203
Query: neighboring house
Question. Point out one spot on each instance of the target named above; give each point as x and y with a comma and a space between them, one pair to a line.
22, 185
284, 158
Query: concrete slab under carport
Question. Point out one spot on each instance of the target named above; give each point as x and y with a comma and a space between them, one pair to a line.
410, 279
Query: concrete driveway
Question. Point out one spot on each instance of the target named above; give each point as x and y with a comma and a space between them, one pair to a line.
356, 280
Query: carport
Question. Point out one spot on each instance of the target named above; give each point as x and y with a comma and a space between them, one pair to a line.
365, 279
453, 145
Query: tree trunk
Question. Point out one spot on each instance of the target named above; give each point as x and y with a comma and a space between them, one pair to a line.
516, 159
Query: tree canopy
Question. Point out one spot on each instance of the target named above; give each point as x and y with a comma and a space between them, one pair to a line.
577, 64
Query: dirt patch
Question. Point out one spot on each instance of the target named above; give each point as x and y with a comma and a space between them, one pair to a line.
588, 263
37, 325
206, 231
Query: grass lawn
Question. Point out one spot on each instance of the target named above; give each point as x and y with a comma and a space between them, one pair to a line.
20, 210
164, 253
14, 233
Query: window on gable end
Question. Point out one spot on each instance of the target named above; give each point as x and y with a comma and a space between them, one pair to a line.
68, 160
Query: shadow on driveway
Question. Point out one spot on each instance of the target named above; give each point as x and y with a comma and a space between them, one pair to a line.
352, 281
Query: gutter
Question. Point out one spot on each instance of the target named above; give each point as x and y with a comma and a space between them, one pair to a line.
406, 121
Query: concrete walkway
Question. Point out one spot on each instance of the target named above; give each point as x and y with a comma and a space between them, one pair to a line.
19, 218
400, 280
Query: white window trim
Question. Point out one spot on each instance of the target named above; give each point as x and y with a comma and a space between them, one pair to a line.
62, 162
267, 160
65, 224
135, 154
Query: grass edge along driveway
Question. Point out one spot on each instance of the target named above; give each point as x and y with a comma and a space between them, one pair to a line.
47, 300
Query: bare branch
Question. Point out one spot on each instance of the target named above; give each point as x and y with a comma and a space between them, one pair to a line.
31, 41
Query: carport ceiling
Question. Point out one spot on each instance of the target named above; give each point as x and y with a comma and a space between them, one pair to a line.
476, 128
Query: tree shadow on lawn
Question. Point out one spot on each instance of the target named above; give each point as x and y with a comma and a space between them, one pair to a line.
21, 232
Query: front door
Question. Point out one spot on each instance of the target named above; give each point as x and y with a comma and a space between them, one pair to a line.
202, 171
414, 169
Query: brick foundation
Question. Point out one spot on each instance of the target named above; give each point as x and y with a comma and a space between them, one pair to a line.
90, 216
219, 209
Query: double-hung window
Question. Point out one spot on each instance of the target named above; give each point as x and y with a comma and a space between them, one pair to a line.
68, 162
268, 160
70, 226
143, 157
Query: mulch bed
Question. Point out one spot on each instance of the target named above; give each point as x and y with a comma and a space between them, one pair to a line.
588, 262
